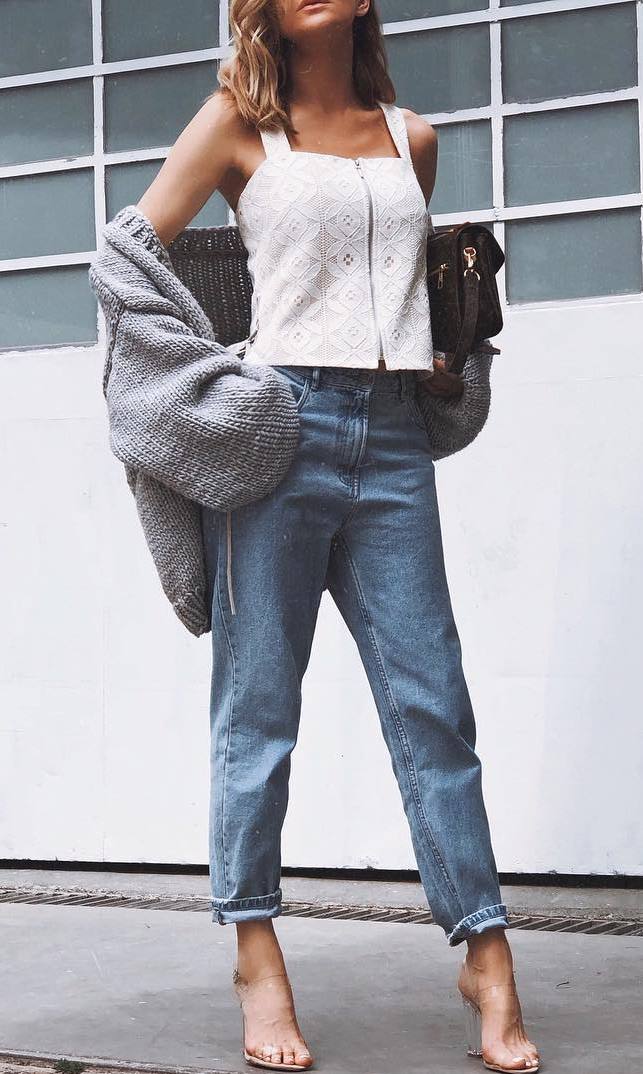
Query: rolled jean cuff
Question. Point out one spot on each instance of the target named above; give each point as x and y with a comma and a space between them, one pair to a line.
488, 917
253, 908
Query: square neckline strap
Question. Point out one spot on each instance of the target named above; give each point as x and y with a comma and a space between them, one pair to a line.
276, 146
275, 142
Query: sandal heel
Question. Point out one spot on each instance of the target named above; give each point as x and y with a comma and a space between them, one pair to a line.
473, 1028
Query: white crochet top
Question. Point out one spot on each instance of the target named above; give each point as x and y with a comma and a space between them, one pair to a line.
337, 257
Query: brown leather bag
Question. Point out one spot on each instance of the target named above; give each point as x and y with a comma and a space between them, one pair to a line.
462, 262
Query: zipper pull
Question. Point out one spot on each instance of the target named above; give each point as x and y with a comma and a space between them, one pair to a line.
243, 344
440, 270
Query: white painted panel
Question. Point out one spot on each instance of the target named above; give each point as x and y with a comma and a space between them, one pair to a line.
104, 695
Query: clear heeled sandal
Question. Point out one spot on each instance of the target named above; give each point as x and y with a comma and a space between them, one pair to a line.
255, 1060
473, 1032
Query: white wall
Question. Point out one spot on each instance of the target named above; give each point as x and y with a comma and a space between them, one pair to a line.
104, 695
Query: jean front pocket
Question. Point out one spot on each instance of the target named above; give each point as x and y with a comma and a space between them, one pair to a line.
300, 383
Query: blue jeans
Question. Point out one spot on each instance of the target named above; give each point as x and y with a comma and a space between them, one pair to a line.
356, 513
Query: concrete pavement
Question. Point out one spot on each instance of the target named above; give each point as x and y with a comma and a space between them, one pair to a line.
153, 987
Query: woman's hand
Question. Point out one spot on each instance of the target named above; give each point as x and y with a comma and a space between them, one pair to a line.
440, 382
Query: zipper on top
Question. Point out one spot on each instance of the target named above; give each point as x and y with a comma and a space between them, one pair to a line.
358, 165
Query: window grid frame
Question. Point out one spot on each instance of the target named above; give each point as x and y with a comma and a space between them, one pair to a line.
495, 113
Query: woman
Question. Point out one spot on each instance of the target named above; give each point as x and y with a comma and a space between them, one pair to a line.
330, 181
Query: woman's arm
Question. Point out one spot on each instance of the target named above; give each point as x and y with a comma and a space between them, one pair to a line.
197, 164
423, 144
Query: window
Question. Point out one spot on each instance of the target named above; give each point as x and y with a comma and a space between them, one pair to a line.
92, 95
529, 105
529, 101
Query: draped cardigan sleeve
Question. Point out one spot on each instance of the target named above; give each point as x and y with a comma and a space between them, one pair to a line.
193, 427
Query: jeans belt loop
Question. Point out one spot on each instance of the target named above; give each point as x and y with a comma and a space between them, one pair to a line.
406, 384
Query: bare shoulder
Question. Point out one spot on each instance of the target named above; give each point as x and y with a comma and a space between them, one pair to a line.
423, 144
199, 162
217, 123
423, 137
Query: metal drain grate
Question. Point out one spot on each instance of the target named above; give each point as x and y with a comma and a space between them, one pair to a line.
588, 926
540, 922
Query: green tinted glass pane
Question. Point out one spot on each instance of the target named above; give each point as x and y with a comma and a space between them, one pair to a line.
574, 52
44, 35
463, 179
43, 307
440, 70
160, 27
145, 109
46, 122
47, 214
398, 10
126, 183
574, 256
547, 153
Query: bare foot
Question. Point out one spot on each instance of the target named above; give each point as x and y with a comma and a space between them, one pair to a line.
489, 964
271, 1030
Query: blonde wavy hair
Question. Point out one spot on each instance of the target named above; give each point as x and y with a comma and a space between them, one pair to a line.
257, 73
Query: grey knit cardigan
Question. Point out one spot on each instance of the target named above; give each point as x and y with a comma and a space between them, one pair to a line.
192, 424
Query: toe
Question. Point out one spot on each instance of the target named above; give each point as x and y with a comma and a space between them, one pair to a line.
510, 1062
268, 1053
532, 1056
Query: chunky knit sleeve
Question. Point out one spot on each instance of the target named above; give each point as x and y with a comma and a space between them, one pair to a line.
183, 408
193, 427
183, 411
453, 423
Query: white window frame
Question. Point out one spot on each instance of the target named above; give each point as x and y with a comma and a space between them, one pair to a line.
495, 112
